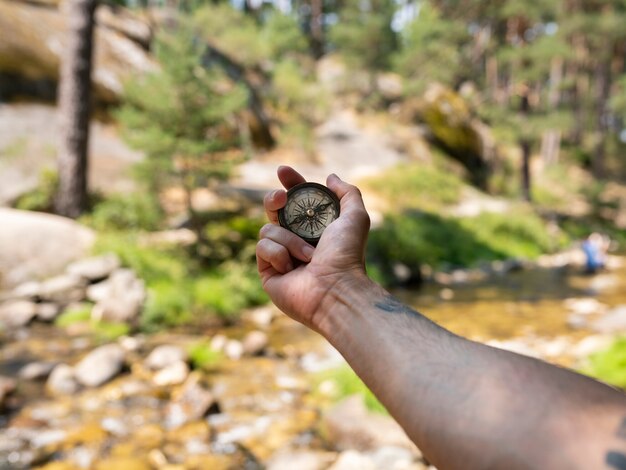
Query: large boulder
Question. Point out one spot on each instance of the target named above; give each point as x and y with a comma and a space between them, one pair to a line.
32, 40
454, 127
35, 245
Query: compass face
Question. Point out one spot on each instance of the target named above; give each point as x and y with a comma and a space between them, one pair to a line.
310, 208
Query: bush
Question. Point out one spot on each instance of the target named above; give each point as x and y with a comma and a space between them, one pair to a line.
415, 238
138, 211
609, 365
418, 186
42, 197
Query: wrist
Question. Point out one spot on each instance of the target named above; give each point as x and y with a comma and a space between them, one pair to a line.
345, 302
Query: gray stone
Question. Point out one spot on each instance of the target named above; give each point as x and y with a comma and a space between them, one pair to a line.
28, 290
62, 381
100, 365
394, 458
255, 343
17, 313
64, 288
98, 292
124, 300
56, 241
353, 460
47, 311
48, 437
96, 268
233, 349
165, 355
261, 317
172, 374
192, 403
613, 322
301, 460
349, 425
585, 306
36, 370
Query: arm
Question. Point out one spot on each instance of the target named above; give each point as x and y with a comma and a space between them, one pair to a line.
465, 405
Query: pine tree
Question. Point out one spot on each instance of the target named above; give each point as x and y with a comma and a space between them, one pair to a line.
184, 118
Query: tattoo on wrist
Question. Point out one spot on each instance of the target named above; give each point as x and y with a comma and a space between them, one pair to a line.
392, 305
616, 459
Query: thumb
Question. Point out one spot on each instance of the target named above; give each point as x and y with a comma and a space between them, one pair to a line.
349, 196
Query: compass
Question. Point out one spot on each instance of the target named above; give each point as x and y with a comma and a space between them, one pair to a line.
310, 208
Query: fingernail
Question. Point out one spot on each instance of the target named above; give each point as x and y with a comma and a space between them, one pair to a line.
335, 175
307, 251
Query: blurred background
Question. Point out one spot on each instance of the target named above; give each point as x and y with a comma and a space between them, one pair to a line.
137, 140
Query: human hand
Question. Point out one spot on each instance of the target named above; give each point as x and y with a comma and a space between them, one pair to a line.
300, 278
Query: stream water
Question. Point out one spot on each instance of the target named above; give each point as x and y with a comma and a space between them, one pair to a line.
267, 403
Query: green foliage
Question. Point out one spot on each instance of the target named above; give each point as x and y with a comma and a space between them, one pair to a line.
609, 365
183, 116
74, 315
202, 356
283, 37
417, 186
109, 331
42, 197
363, 34
427, 43
232, 238
347, 383
169, 303
414, 239
137, 211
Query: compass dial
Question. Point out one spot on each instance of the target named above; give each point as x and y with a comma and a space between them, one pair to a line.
310, 208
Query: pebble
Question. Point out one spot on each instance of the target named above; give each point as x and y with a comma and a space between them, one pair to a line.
233, 349
93, 269
255, 343
164, 356
36, 370
301, 460
172, 374
261, 317
64, 288
192, 403
353, 460
17, 313
47, 311
613, 322
100, 365
62, 381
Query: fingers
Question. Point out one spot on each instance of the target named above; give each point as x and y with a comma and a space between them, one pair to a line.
274, 255
349, 196
274, 201
295, 245
289, 177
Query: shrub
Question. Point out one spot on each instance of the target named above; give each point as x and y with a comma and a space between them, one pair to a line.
138, 211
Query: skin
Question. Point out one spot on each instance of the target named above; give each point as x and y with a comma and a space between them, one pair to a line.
464, 404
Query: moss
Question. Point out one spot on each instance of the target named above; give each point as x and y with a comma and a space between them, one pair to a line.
202, 356
73, 316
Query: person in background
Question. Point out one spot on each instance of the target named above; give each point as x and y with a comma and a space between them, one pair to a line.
466, 405
595, 248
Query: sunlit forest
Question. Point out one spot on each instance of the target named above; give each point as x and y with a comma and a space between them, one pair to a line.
139, 137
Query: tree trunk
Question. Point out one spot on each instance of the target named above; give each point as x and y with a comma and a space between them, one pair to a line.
525, 146
74, 108
317, 28
603, 80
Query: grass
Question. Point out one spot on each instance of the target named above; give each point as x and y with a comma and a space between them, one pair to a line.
346, 383
103, 330
609, 365
202, 356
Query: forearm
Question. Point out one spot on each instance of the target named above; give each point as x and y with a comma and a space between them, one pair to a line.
467, 405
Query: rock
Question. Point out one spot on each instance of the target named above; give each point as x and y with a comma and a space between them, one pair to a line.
47, 311
7, 387
585, 306
233, 349
48, 437
192, 403
36, 370
261, 317
389, 85
125, 297
353, 460
63, 289
172, 374
124, 21
301, 460
613, 322
590, 345
62, 381
17, 313
29, 290
577, 321
114, 426
218, 342
165, 355
34, 39
100, 365
254, 343
56, 240
98, 292
349, 425
394, 458
96, 268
